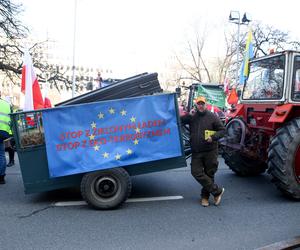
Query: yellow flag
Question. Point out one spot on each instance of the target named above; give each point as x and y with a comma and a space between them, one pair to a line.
248, 53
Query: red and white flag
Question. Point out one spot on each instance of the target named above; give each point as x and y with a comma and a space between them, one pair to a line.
47, 103
30, 86
226, 85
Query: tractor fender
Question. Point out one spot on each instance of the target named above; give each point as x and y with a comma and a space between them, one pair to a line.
280, 113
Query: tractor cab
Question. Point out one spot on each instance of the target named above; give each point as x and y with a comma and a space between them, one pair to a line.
270, 96
274, 79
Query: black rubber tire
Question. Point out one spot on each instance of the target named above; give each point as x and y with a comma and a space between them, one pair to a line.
186, 141
242, 165
117, 183
281, 158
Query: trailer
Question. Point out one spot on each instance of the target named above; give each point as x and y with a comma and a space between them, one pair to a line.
57, 148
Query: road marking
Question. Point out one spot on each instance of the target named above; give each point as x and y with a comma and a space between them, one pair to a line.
83, 203
160, 198
69, 203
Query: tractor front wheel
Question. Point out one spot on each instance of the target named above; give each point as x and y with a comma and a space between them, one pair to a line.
284, 159
243, 165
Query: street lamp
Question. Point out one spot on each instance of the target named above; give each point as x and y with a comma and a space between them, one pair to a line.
235, 17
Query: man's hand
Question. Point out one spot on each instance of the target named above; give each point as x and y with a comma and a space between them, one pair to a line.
193, 111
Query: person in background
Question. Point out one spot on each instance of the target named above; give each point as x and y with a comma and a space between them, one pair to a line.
100, 80
11, 151
5, 110
10, 145
205, 130
182, 109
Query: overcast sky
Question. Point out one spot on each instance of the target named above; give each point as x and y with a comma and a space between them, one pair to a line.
138, 34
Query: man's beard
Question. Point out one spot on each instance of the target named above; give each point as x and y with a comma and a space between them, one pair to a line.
201, 111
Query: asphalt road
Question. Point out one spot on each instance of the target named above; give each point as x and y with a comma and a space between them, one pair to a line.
252, 214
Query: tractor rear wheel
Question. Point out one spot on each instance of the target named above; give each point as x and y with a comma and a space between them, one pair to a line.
243, 165
284, 159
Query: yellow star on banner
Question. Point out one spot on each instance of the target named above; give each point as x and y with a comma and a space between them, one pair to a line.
92, 137
118, 156
132, 119
101, 115
93, 124
137, 130
123, 112
105, 155
136, 142
129, 151
96, 148
111, 111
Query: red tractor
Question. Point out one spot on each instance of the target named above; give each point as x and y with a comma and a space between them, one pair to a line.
263, 130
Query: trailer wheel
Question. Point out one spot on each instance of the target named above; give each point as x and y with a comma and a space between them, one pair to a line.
284, 159
242, 165
106, 189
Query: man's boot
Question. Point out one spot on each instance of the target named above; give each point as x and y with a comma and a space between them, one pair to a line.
10, 164
2, 180
204, 202
218, 197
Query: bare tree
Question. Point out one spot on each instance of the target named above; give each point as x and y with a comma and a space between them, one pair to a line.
267, 37
12, 32
54, 74
198, 69
264, 38
224, 63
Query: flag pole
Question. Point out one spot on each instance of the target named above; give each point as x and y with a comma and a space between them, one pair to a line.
74, 40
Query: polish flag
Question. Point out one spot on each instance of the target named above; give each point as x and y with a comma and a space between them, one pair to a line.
30, 86
47, 103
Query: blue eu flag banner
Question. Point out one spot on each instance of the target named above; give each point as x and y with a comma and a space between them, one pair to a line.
109, 134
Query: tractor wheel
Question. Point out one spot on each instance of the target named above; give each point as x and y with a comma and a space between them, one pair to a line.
106, 189
242, 165
185, 132
284, 159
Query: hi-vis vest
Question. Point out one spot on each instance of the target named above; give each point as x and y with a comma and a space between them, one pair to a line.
4, 116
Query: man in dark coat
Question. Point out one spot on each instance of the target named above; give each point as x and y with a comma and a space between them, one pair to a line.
205, 130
